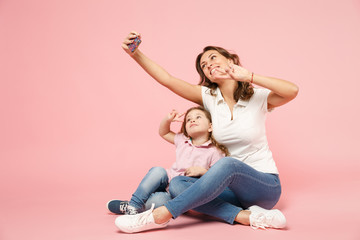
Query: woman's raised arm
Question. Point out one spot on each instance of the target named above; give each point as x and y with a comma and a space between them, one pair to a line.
282, 91
182, 88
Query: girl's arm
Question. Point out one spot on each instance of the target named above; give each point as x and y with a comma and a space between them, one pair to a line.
195, 171
282, 91
164, 129
182, 88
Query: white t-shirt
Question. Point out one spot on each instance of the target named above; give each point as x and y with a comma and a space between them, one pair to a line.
244, 136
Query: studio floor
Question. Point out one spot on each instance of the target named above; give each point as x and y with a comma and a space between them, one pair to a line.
321, 210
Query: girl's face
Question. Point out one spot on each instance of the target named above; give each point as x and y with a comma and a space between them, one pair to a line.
213, 65
197, 124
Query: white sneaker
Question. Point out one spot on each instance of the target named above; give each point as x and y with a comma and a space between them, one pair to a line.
139, 222
262, 218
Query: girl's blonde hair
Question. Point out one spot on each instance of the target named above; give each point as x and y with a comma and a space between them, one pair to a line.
211, 138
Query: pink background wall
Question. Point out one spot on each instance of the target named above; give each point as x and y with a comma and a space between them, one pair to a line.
79, 118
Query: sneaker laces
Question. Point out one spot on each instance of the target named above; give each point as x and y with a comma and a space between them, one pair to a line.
140, 222
123, 206
261, 221
130, 210
145, 218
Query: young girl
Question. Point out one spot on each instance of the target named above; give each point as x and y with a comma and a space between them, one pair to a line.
196, 152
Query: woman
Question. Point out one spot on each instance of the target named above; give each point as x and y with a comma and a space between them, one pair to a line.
238, 113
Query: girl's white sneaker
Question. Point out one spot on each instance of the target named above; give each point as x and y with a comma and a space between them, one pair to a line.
263, 218
138, 222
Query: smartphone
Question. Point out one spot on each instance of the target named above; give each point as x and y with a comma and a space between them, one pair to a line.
132, 46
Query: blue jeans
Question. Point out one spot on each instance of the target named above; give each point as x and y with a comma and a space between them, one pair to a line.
152, 189
227, 188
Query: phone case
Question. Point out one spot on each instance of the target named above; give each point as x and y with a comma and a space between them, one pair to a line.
132, 46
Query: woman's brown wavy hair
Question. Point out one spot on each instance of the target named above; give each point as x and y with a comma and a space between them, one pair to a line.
211, 138
244, 90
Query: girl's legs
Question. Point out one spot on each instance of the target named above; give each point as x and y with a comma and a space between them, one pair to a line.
251, 187
158, 198
156, 180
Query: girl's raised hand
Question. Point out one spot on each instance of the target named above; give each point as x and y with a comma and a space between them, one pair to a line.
174, 116
128, 40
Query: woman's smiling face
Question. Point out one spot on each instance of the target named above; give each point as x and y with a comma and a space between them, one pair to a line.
213, 65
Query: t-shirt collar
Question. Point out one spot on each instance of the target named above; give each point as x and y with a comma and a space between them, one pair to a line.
205, 144
220, 99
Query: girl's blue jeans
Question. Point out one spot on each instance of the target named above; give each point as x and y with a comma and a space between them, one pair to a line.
152, 189
227, 188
